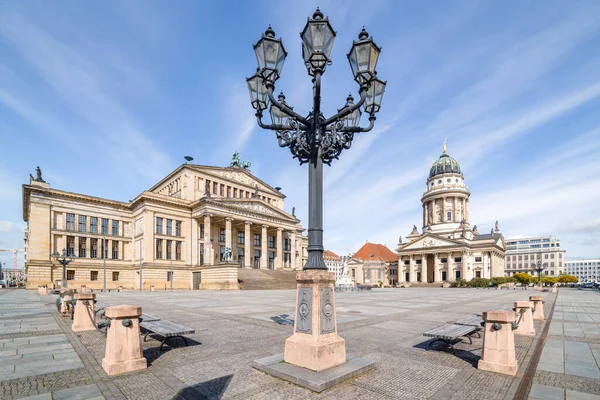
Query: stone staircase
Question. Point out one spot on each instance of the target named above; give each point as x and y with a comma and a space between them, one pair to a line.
265, 279
425, 284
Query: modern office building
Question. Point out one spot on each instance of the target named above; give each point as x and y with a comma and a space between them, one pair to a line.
586, 270
196, 217
447, 248
524, 254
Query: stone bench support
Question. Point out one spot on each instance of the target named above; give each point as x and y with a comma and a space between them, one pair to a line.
526, 323
84, 318
123, 341
538, 304
498, 353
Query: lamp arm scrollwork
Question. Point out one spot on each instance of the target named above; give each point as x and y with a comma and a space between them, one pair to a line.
347, 110
284, 108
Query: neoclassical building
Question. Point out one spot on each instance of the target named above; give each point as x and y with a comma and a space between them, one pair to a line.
373, 264
447, 248
196, 217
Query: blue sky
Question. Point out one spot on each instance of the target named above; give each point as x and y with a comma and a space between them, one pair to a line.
107, 97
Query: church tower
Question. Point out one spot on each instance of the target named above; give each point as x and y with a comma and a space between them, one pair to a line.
446, 198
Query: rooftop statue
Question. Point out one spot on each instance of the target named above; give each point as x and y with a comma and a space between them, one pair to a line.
38, 172
293, 211
496, 226
236, 161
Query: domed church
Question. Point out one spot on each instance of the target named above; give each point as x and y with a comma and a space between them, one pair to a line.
447, 248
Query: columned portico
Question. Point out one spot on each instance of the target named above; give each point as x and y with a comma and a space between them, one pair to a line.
423, 267
263, 247
228, 232
247, 244
279, 249
208, 253
436, 268
411, 270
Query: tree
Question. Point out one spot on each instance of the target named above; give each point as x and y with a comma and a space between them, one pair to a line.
524, 278
549, 280
566, 278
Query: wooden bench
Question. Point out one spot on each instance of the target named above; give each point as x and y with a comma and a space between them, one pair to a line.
167, 329
471, 320
450, 333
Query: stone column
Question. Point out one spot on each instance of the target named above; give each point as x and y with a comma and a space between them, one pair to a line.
423, 267
263, 248
492, 272
411, 271
279, 249
444, 209
424, 214
228, 234
123, 341
526, 326
293, 263
451, 273
538, 307
84, 318
498, 353
455, 211
208, 254
194, 252
463, 216
467, 209
248, 239
465, 265
436, 267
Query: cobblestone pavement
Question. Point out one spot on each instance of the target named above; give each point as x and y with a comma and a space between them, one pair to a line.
570, 363
235, 328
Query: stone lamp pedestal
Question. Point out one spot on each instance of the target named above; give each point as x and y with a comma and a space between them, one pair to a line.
315, 344
526, 326
84, 318
123, 341
498, 353
538, 305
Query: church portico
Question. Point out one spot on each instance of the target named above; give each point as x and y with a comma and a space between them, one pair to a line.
447, 248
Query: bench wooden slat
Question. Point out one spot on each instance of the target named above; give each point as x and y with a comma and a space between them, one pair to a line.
471, 320
166, 328
450, 331
149, 318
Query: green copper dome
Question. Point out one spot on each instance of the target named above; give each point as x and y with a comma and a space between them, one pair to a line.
444, 165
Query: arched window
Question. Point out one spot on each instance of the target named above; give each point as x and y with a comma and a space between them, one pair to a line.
449, 216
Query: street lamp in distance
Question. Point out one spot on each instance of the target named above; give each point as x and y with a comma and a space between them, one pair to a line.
64, 259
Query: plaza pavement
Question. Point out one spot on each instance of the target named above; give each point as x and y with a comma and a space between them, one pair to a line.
42, 358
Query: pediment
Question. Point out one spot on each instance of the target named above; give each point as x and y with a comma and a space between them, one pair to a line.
429, 241
242, 177
257, 207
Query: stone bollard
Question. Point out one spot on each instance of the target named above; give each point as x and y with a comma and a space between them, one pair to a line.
84, 318
498, 353
152, 288
538, 307
524, 318
554, 288
123, 341
67, 296
120, 289
83, 289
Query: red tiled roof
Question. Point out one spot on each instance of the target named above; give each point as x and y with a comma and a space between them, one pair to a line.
375, 251
330, 255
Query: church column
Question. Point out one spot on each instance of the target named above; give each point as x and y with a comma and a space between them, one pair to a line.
193, 242
492, 272
455, 211
247, 245
263, 248
425, 214
444, 209
467, 209
423, 267
208, 254
293, 264
228, 221
451, 273
465, 265
279, 249
436, 267
411, 269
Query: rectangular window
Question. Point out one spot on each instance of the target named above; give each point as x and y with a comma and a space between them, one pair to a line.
271, 263
104, 245
552, 264
178, 228
159, 225
257, 239
93, 275
94, 224
82, 223
201, 253
201, 231
287, 257
221, 234
169, 248
241, 238
271, 242
159, 248
115, 276
93, 248
178, 251
104, 226
235, 191
287, 244
241, 255
457, 259
169, 227
256, 258
82, 243
222, 253
552, 255
207, 187
477, 259
457, 274
215, 186
70, 222
228, 191
418, 262
115, 228
70, 275
443, 260
449, 216
115, 249
169, 276
71, 245
222, 190
545, 256
406, 262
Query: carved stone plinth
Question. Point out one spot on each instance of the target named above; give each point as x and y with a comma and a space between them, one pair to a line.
315, 344
538, 305
526, 323
123, 341
84, 318
498, 353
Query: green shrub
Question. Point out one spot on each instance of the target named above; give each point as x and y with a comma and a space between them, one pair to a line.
479, 282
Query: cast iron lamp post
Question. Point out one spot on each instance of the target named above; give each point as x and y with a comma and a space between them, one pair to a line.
64, 261
315, 139
539, 268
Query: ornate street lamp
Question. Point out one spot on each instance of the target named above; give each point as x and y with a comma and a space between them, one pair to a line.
64, 261
539, 268
315, 139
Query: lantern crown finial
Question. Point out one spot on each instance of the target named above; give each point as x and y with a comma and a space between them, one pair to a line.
281, 97
363, 34
318, 15
349, 99
270, 32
